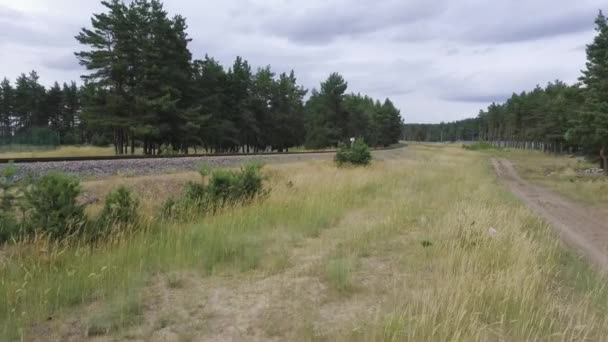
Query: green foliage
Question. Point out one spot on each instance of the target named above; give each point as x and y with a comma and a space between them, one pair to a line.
52, 205
357, 154
590, 126
9, 227
234, 187
10, 192
120, 208
333, 116
223, 188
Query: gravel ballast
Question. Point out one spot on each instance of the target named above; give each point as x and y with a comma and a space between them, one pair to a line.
138, 167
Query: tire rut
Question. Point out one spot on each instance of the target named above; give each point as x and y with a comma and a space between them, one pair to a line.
582, 228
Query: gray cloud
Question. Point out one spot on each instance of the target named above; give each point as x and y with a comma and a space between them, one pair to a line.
67, 62
438, 60
337, 19
531, 27
477, 98
19, 28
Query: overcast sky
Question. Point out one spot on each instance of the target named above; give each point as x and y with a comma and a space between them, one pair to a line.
438, 60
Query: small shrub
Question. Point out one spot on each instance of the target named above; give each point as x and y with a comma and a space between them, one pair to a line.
9, 227
120, 208
426, 243
234, 187
53, 206
358, 154
195, 192
10, 193
223, 187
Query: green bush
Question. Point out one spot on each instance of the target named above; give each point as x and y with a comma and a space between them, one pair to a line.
223, 188
9, 227
358, 154
194, 197
9, 198
235, 187
120, 208
52, 205
195, 192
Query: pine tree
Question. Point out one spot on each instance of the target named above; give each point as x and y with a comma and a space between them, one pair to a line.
7, 109
326, 117
591, 126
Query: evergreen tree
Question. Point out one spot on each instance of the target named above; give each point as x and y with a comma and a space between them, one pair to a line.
7, 109
326, 116
591, 126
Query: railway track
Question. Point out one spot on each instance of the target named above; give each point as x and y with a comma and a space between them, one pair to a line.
169, 156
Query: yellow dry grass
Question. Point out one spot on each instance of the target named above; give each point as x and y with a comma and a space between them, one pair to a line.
62, 151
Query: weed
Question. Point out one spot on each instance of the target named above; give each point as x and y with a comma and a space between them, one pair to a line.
338, 273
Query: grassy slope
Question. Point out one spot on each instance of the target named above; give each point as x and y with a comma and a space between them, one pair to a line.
359, 233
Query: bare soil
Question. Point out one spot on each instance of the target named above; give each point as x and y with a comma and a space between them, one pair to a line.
583, 228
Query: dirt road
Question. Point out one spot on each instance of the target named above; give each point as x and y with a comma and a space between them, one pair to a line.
584, 229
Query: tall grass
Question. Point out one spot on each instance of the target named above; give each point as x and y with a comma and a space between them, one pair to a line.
469, 285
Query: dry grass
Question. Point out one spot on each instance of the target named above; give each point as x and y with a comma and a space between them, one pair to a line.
61, 151
397, 251
562, 174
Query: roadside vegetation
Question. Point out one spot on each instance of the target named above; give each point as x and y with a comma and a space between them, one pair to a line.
398, 250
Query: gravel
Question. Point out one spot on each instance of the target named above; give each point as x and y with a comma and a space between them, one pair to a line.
138, 167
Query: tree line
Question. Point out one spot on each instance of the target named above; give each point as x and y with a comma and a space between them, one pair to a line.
143, 89
557, 116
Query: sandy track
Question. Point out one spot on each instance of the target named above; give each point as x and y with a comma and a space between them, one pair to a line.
585, 229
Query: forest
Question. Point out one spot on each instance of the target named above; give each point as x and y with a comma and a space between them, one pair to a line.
143, 89
557, 116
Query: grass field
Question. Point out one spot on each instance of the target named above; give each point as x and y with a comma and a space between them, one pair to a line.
397, 251
9, 152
